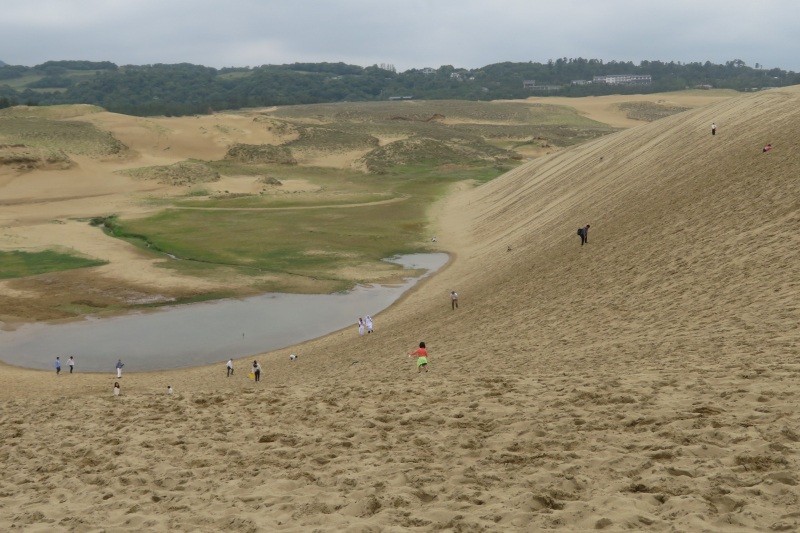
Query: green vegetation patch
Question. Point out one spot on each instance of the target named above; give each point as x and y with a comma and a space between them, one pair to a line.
22, 157
51, 111
70, 136
316, 244
466, 131
281, 127
333, 139
452, 112
422, 150
188, 172
416, 111
649, 111
559, 135
260, 154
18, 264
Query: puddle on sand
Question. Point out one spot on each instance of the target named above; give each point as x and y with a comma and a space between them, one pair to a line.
207, 332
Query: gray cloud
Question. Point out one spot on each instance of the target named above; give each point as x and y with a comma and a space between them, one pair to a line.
412, 33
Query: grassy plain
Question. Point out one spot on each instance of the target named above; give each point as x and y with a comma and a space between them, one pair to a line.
18, 264
325, 237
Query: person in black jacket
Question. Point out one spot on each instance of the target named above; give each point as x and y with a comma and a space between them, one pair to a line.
584, 234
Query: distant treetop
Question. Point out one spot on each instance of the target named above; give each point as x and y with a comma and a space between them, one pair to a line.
77, 65
185, 88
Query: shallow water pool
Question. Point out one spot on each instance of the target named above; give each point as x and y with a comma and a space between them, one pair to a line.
207, 332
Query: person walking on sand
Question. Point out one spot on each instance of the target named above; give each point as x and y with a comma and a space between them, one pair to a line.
422, 357
454, 300
229, 367
368, 323
360, 327
169, 390
583, 233
58, 365
71, 363
119, 366
713, 128
257, 370
116, 388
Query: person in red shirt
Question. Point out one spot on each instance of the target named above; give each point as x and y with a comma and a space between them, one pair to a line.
422, 357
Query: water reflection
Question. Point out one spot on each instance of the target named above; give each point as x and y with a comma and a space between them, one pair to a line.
203, 333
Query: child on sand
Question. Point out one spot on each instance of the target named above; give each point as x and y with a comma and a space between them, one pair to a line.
169, 389
360, 327
422, 357
116, 388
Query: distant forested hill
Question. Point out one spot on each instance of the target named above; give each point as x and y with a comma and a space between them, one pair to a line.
184, 88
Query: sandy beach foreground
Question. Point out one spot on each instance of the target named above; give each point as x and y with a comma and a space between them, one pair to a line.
645, 381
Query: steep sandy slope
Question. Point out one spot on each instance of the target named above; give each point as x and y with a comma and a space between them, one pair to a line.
647, 380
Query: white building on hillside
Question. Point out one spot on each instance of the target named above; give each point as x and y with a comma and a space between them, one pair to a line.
624, 79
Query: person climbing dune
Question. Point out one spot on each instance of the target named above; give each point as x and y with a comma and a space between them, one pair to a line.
422, 357
583, 233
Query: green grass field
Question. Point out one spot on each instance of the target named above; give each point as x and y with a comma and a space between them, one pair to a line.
317, 243
18, 264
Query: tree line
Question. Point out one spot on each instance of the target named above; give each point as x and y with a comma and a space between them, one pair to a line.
181, 89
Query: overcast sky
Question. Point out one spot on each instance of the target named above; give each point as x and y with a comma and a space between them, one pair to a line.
405, 33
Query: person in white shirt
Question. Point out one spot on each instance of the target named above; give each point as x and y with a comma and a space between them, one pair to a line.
360, 326
368, 322
71, 363
257, 370
229, 366
116, 388
169, 389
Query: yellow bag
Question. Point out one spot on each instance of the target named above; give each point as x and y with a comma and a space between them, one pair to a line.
251, 375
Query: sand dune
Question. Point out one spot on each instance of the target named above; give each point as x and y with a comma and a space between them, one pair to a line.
606, 108
645, 381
